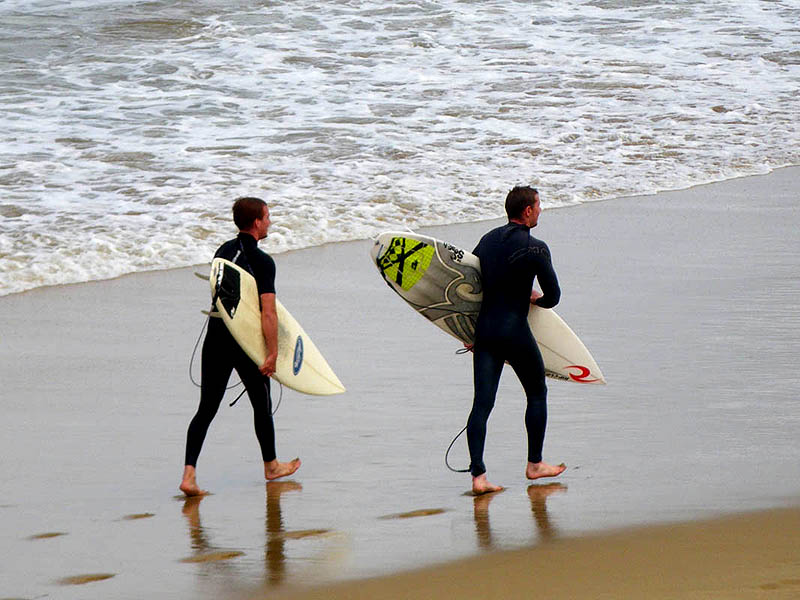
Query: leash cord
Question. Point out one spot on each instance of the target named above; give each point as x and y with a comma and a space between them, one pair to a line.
196, 384
280, 398
194, 353
446, 454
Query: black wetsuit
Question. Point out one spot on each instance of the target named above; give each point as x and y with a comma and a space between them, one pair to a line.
510, 261
221, 354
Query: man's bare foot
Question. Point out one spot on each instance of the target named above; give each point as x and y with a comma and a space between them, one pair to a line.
542, 469
189, 482
481, 485
276, 470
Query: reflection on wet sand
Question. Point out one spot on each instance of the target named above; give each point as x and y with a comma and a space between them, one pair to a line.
191, 510
276, 533
204, 552
537, 493
274, 552
275, 556
480, 511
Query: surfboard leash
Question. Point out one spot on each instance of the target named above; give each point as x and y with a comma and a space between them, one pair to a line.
194, 350
277, 406
196, 384
194, 353
446, 454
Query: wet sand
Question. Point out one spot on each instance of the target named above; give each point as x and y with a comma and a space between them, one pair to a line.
745, 557
688, 300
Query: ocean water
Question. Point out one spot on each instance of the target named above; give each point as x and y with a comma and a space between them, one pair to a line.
127, 128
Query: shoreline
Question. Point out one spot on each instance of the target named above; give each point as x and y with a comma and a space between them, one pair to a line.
420, 229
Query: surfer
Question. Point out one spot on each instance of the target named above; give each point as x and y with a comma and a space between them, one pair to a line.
510, 261
221, 354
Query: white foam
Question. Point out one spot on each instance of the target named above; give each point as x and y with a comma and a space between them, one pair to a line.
126, 134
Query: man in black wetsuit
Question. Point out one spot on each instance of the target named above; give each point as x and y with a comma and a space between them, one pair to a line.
510, 261
221, 353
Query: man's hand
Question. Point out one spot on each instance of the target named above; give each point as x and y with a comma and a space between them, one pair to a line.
535, 296
268, 368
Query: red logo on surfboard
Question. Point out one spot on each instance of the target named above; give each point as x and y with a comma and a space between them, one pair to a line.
582, 374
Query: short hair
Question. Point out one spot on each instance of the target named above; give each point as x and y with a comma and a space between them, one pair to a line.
246, 210
518, 198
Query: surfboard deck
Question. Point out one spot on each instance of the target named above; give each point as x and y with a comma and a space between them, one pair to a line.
300, 364
443, 283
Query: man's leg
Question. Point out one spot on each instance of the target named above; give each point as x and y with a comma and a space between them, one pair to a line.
487, 368
215, 372
258, 390
527, 363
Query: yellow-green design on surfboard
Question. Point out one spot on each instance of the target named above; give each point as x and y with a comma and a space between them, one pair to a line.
406, 261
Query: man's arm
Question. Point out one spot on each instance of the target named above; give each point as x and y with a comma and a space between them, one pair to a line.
547, 281
269, 327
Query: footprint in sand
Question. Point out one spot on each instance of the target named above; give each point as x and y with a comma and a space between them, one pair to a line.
88, 578
422, 512
137, 516
302, 533
46, 536
213, 556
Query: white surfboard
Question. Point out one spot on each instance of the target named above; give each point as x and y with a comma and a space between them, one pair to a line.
443, 283
300, 364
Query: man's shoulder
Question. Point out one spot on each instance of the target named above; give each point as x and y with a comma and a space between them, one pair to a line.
500, 229
263, 257
486, 239
538, 246
263, 270
494, 233
225, 248
263, 267
537, 242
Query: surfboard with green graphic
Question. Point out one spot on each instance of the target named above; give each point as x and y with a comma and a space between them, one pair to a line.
443, 283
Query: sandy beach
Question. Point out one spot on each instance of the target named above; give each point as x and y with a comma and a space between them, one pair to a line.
683, 476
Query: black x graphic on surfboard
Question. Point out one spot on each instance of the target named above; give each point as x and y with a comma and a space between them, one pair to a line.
399, 256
